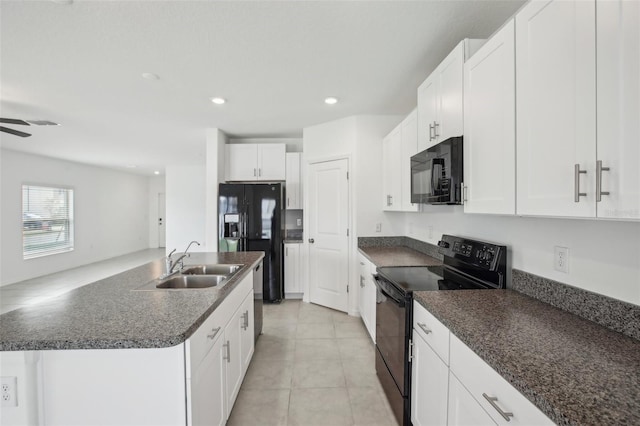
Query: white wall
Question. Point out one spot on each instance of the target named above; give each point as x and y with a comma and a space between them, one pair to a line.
156, 186
604, 256
216, 141
186, 206
111, 211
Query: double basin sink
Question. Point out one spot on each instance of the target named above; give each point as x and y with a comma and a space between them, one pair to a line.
195, 276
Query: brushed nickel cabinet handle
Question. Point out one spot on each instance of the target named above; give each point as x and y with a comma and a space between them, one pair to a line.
599, 170
577, 172
214, 334
435, 130
228, 357
492, 400
424, 328
431, 128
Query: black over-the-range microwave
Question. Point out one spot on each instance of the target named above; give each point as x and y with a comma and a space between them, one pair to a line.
436, 173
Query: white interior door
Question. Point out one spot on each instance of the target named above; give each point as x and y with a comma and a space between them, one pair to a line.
162, 229
328, 234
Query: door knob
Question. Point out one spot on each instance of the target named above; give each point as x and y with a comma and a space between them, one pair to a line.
311, 240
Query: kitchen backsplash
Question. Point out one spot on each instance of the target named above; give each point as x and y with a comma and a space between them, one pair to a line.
614, 314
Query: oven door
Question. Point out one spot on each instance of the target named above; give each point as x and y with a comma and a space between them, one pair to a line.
391, 330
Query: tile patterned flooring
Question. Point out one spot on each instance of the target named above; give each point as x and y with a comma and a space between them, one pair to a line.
312, 366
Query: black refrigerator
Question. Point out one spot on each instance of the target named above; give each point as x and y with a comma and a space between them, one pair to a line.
250, 219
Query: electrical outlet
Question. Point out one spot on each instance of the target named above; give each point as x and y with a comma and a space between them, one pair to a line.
298, 222
378, 227
561, 259
8, 391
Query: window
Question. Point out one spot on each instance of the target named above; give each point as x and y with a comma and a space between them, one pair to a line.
47, 220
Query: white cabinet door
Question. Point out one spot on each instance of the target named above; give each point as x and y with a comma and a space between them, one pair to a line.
489, 126
363, 271
409, 148
463, 409
271, 161
208, 393
370, 301
292, 280
556, 108
428, 100
293, 186
429, 384
450, 104
232, 355
618, 89
247, 339
391, 169
241, 162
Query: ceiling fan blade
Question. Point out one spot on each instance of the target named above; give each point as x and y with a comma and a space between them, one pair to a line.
14, 132
13, 121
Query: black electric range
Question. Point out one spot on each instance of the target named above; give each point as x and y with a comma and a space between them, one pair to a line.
467, 264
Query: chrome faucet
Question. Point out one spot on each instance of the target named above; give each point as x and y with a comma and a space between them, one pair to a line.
170, 264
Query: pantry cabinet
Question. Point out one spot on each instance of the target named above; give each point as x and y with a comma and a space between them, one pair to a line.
292, 271
556, 108
255, 162
440, 97
617, 173
293, 181
490, 126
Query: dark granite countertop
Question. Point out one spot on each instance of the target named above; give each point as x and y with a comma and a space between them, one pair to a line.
398, 256
109, 314
575, 371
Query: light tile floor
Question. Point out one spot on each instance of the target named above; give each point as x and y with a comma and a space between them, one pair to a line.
36, 290
311, 366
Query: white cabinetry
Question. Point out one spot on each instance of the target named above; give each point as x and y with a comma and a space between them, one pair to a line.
397, 149
494, 394
292, 276
255, 162
429, 369
293, 183
238, 348
208, 393
440, 98
367, 295
391, 169
489, 126
463, 409
556, 108
618, 93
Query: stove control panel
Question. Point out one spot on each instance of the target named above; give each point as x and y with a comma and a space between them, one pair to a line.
472, 252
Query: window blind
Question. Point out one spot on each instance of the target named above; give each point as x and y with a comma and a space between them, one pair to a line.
47, 220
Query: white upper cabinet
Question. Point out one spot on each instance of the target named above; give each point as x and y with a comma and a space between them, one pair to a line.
440, 98
391, 170
293, 183
556, 108
255, 162
409, 148
490, 126
618, 89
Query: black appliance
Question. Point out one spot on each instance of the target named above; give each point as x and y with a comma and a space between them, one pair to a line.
250, 219
467, 264
436, 174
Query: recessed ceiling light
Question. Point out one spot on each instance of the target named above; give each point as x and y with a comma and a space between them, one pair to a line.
218, 101
331, 100
157, 172
150, 76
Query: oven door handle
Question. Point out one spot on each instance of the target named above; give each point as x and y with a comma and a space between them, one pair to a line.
398, 301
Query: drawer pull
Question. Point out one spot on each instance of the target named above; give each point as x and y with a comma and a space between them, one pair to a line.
492, 400
424, 328
215, 333
228, 350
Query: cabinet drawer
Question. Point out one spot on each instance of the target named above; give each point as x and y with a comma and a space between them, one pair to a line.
199, 344
485, 383
431, 330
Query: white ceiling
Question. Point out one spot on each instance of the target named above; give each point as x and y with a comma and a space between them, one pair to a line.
80, 65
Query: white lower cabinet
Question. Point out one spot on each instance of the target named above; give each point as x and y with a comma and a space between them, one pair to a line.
367, 295
292, 275
463, 409
208, 393
429, 386
477, 394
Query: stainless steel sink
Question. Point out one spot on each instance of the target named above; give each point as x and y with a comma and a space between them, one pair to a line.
192, 281
210, 269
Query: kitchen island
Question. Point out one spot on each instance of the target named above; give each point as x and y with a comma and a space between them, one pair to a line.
110, 353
